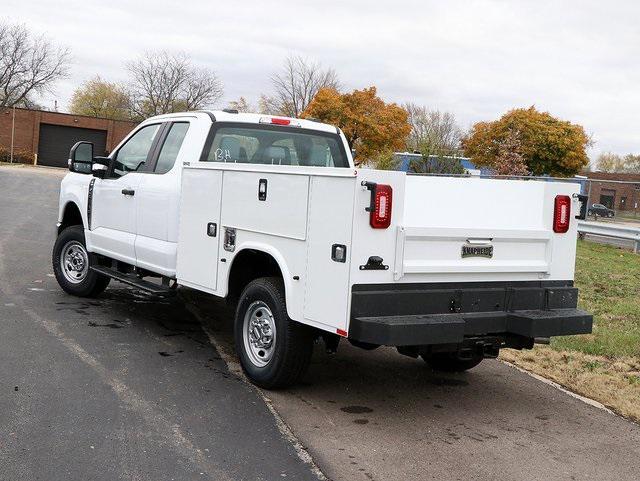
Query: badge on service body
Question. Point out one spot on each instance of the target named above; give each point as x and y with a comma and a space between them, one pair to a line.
477, 250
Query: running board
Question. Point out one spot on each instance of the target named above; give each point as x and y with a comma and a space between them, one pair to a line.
133, 280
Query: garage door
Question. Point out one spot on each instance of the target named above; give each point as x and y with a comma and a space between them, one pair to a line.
56, 141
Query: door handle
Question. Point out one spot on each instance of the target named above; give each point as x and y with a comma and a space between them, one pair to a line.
262, 189
128, 191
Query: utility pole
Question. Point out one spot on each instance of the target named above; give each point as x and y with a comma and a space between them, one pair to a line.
13, 132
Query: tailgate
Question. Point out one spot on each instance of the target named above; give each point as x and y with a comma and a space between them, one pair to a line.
482, 227
446, 229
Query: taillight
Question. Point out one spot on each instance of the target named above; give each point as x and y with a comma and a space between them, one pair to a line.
561, 214
380, 215
278, 121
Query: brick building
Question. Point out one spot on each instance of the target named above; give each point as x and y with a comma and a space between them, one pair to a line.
44, 138
615, 190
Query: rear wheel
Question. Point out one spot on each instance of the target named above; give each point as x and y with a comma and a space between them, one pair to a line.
451, 362
274, 350
71, 263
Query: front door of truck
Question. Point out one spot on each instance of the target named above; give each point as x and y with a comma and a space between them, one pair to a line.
113, 205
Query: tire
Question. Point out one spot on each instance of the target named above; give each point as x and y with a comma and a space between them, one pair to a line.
71, 263
450, 362
282, 352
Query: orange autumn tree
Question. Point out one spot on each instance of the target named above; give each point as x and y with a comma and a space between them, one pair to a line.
370, 125
545, 144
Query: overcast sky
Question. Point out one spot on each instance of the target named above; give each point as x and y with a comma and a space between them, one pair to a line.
579, 60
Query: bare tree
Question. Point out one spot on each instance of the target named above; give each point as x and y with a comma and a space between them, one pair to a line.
432, 132
632, 163
28, 65
268, 105
609, 162
162, 83
241, 105
297, 84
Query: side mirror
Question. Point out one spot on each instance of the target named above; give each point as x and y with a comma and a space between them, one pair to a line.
81, 157
100, 167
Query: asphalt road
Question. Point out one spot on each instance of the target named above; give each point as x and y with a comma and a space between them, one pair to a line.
129, 386
126, 386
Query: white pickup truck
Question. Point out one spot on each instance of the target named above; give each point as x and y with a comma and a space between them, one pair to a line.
272, 214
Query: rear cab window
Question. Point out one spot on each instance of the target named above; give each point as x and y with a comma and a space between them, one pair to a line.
273, 145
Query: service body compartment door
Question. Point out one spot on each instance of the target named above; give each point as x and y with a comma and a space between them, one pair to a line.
266, 203
326, 298
199, 232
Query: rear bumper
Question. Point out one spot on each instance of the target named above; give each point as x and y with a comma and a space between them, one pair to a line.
430, 314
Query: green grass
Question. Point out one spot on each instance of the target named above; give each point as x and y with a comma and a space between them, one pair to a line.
609, 283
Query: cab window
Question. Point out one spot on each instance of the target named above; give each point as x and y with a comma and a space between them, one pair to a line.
171, 147
253, 144
132, 156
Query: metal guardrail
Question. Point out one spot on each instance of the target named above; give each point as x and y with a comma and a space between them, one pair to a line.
616, 231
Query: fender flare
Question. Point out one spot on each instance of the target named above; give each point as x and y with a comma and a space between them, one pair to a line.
280, 261
69, 202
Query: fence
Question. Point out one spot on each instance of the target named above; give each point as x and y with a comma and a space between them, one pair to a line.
615, 231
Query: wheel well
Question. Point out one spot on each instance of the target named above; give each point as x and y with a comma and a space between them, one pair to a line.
71, 216
248, 265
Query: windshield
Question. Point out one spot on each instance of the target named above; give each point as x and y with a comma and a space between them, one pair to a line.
271, 145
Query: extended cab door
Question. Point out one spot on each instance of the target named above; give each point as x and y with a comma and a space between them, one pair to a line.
113, 206
157, 201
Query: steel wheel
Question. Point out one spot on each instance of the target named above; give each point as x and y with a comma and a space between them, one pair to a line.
74, 262
259, 333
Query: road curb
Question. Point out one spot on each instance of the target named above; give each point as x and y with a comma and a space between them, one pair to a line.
560, 387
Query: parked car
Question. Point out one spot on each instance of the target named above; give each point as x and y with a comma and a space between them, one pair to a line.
271, 214
600, 210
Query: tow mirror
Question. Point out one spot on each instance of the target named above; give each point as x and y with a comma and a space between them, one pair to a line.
81, 157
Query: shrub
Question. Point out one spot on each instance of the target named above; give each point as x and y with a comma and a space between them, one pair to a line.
20, 156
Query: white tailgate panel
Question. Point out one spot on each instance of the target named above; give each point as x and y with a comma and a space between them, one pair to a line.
515, 217
326, 296
283, 213
438, 250
197, 263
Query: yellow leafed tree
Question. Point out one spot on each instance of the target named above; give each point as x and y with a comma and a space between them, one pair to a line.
97, 98
370, 125
546, 145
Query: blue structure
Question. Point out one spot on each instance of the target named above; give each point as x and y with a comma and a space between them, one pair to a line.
405, 158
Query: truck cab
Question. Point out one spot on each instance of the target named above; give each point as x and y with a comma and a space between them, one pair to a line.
271, 214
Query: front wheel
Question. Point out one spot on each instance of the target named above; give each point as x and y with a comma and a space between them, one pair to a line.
274, 350
450, 362
71, 263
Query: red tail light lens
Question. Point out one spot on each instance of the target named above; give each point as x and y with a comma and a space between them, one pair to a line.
380, 217
277, 121
561, 214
